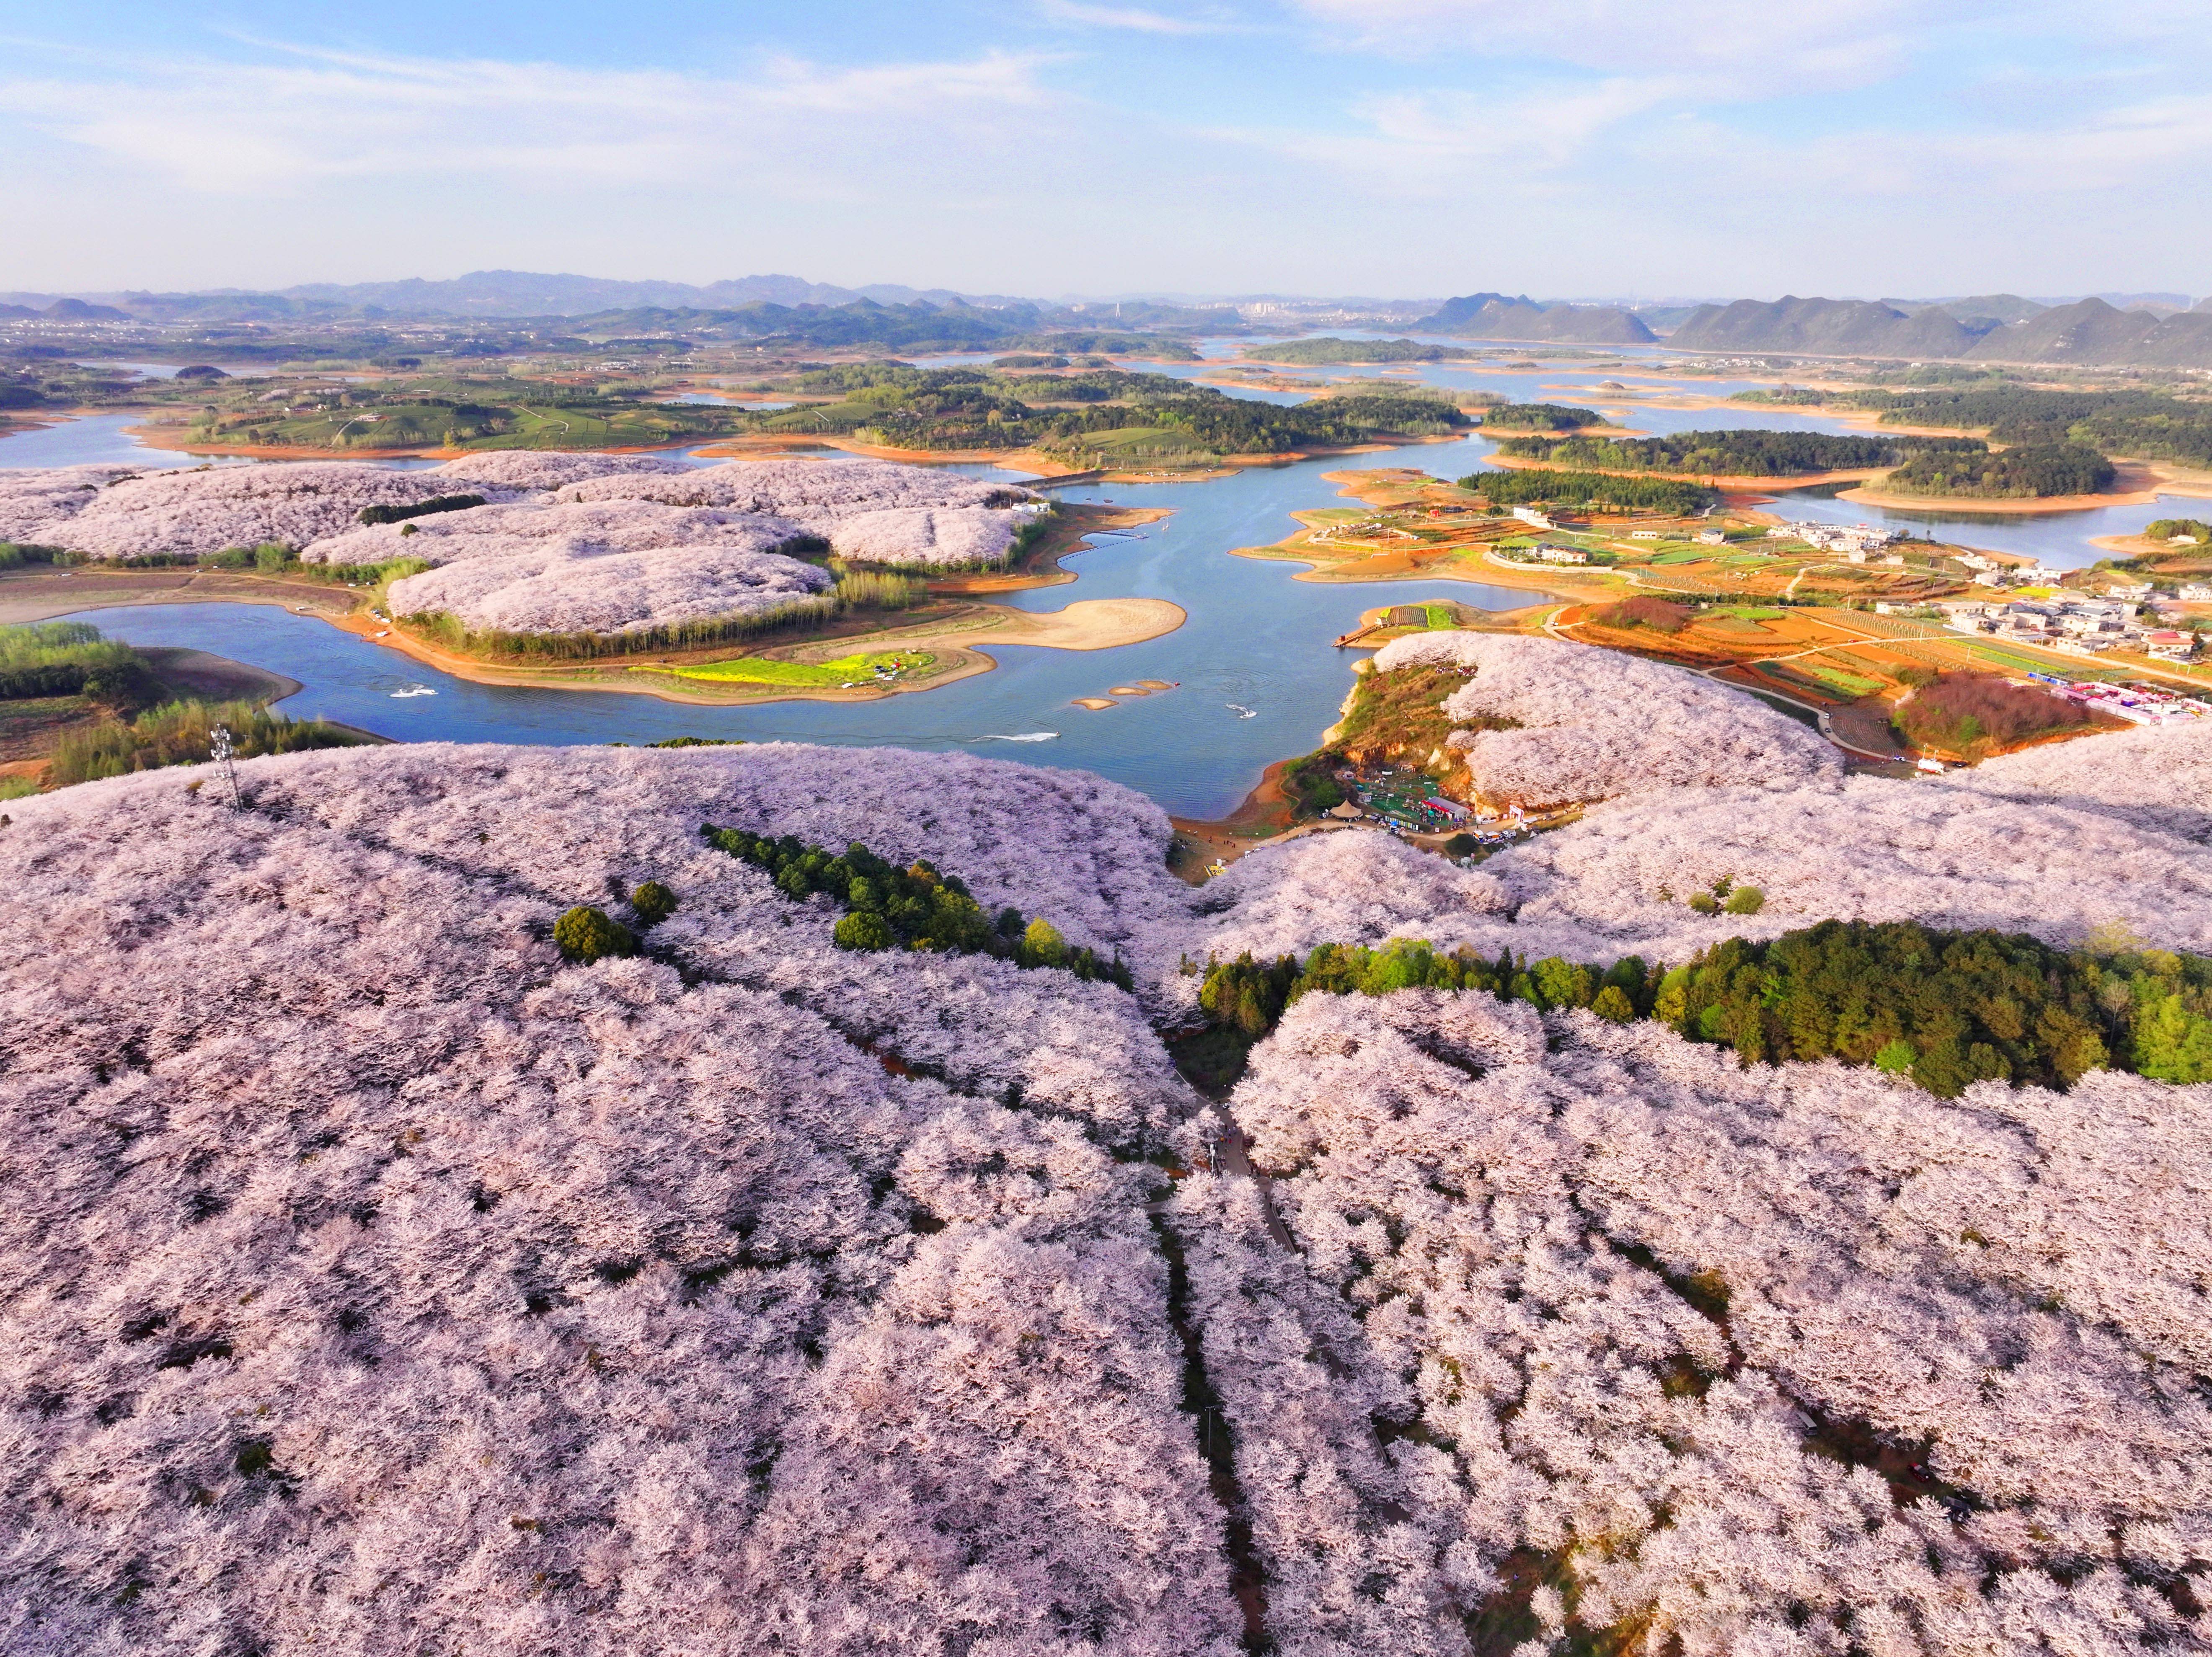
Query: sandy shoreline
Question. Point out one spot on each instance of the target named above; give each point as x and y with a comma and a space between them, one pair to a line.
960, 639
2138, 484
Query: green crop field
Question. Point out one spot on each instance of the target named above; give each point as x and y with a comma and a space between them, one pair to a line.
1440, 616
1851, 684
759, 670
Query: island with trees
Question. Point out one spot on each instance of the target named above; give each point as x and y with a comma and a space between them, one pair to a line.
1735, 454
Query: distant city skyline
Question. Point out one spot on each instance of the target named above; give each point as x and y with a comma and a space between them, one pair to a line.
1395, 148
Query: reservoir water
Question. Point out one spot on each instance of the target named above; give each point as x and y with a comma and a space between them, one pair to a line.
1255, 638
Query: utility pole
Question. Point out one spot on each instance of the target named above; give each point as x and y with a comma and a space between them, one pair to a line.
219, 749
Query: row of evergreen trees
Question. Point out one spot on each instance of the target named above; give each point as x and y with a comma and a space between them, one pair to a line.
916, 907
1747, 453
1544, 486
1947, 1008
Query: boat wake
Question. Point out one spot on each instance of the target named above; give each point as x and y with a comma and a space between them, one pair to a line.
413, 690
1242, 712
1026, 736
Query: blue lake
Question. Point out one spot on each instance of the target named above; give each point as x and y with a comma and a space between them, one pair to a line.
1255, 638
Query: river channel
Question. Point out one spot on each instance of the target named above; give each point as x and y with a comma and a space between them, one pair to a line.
1256, 678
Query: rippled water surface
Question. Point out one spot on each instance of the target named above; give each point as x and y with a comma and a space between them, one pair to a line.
1255, 638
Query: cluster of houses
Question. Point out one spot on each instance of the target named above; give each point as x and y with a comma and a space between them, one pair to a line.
1364, 528
2072, 621
1544, 552
2136, 703
1855, 542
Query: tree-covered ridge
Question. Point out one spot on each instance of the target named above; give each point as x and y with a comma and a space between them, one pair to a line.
1251, 996
1948, 1008
915, 908
1327, 349
2147, 425
1747, 453
1540, 417
70, 659
2029, 472
1602, 490
467, 414
903, 407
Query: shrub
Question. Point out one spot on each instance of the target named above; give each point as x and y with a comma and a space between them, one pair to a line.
1308, 781
1746, 900
867, 589
654, 902
178, 733
586, 934
916, 906
862, 930
1043, 945
1643, 610
1613, 1005
1705, 903
382, 513
1973, 713
1460, 846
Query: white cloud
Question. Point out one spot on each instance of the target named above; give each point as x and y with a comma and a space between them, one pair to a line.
1829, 40
1437, 141
1135, 18
246, 127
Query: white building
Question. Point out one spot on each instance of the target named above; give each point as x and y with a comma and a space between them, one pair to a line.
1533, 518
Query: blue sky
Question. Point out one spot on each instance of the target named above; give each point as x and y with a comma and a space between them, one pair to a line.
1565, 148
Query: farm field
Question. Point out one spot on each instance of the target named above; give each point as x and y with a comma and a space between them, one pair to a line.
843, 671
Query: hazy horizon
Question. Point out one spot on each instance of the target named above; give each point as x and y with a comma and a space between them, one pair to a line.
1058, 148
877, 289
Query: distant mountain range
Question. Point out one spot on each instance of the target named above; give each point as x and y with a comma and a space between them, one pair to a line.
1989, 328
497, 294
2110, 329
1496, 316
67, 310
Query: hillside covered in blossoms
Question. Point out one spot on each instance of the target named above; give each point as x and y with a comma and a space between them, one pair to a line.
527, 542
383, 1270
